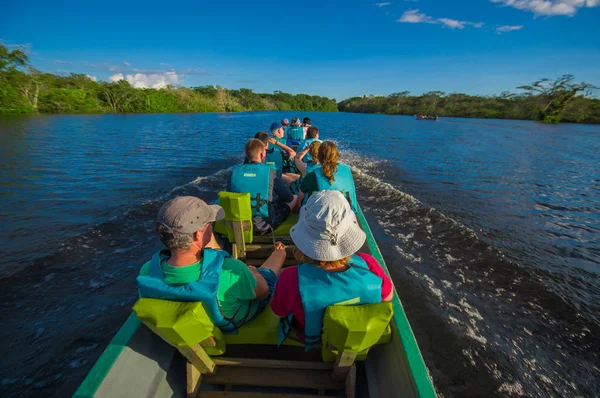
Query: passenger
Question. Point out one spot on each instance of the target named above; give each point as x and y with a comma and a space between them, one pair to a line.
295, 133
312, 135
193, 262
304, 169
327, 239
276, 158
332, 175
286, 125
271, 198
306, 124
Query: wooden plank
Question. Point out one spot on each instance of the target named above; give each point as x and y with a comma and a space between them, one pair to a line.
298, 378
193, 380
209, 342
343, 364
199, 358
238, 233
243, 394
260, 261
350, 384
271, 363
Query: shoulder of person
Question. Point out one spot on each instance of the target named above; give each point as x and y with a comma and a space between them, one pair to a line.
234, 265
145, 270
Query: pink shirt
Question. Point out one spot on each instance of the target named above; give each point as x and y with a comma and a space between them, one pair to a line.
286, 298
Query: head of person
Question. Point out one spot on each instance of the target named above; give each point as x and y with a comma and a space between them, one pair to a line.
255, 150
185, 223
277, 130
328, 158
295, 121
285, 122
312, 132
313, 150
264, 137
327, 233
306, 121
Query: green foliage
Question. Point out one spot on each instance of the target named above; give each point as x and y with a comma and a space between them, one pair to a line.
12, 102
68, 100
565, 106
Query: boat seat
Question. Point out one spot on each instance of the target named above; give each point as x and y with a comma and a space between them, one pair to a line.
348, 334
237, 224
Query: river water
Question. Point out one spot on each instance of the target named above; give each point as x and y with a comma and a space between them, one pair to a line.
490, 229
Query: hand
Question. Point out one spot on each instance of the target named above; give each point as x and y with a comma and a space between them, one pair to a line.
272, 141
292, 154
278, 246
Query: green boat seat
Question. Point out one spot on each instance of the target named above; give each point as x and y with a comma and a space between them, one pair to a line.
284, 228
237, 210
345, 328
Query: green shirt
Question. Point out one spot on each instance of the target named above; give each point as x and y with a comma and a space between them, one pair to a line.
309, 183
236, 285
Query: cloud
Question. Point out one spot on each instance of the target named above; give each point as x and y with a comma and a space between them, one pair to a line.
164, 64
93, 78
61, 62
382, 4
508, 28
549, 7
112, 68
125, 63
414, 16
141, 80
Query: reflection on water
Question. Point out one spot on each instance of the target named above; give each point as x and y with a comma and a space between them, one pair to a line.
490, 229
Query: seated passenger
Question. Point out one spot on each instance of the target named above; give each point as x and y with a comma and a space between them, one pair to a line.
271, 198
327, 238
331, 175
306, 123
193, 261
276, 158
295, 133
311, 136
304, 169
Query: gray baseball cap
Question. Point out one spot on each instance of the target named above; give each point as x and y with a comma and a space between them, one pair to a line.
188, 214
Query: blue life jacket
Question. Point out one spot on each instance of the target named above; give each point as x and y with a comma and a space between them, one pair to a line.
312, 166
307, 158
274, 159
319, 289
295, 133
203, 290
343, 182
256, 179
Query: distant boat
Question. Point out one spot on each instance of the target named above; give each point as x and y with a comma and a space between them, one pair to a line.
426, 117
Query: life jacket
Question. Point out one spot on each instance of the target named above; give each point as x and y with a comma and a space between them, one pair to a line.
295, 133
306, 143
256, 179
319, 289
310, 167
274, 159
343, 182
203, 290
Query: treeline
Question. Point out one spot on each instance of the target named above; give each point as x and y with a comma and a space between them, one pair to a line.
578, 109
24, 90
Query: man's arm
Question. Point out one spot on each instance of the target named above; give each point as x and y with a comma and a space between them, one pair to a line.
283, 146
261, 290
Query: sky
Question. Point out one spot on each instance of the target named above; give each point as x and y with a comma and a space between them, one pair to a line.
335, 48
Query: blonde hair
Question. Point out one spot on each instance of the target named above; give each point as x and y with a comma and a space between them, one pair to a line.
328, 158
313, 150
253, 148
303, 258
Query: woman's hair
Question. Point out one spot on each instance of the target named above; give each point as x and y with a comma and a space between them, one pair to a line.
294, 121
303, 258
328, 158
313, 150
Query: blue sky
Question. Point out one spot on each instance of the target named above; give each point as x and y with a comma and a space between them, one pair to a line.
333, 48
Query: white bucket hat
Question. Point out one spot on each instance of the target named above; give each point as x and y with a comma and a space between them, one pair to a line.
327, 229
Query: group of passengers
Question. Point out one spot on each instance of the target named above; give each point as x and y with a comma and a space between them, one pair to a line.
327, 238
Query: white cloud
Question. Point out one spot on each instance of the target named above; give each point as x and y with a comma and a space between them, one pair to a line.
125, 63
549, 7
508, 28
112, 68
141, 80
414, 16
93, 78
382, 4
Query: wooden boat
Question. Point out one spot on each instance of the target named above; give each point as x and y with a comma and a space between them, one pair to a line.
138, 363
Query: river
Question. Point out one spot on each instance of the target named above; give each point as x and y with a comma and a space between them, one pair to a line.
490, 229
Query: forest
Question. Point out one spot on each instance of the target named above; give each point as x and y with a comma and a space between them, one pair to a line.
25, 90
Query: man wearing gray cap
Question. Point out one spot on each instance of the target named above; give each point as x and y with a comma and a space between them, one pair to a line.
193, 268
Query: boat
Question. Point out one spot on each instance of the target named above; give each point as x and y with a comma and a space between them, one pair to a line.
426, 117
145, 360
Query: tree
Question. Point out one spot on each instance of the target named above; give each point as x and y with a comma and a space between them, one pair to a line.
12, 59
555, 95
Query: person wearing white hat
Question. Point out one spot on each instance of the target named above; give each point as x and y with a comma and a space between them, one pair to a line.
193, 268
327, 238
